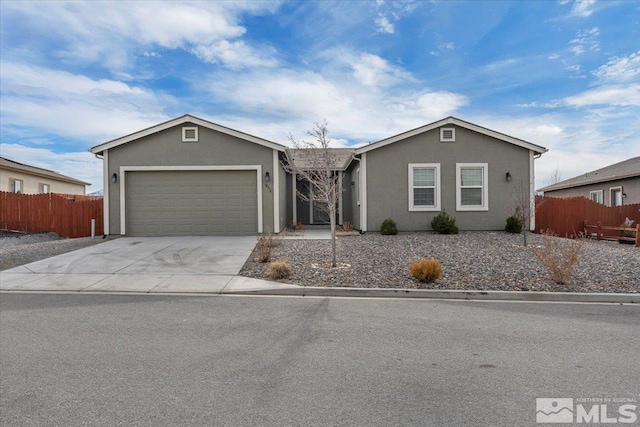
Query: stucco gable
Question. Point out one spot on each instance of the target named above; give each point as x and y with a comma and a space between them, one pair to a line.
457, 122
186, 119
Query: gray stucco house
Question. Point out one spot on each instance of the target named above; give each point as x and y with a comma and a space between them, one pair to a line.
189, 176
614, 185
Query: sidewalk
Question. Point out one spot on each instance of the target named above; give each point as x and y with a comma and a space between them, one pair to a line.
239, 285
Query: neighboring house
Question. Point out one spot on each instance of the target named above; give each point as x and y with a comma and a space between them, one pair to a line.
189, 176
614, 185
21, 178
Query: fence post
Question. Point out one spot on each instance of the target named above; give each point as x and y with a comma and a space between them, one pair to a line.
598, 229
638, 235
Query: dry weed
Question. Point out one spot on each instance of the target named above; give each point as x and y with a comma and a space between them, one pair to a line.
559, 256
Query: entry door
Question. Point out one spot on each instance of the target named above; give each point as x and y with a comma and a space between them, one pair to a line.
320, 214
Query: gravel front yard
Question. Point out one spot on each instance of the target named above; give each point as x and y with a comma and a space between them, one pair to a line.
18, 249
470, 260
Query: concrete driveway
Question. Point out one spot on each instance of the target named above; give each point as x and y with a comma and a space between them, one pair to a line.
147, 264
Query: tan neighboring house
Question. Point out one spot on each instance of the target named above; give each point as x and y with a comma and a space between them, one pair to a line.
17, 177
614, 185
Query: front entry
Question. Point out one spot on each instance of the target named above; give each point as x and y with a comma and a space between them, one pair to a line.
309, 212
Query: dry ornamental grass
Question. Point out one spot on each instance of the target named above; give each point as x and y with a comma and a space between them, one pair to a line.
559, 256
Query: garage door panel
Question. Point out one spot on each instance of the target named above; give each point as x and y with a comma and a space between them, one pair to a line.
167, 203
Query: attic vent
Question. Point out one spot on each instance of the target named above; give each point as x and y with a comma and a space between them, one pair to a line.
189, 134
447, 134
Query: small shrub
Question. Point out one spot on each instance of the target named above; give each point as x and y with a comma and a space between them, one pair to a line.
559, 256
279, 270
514, 225
628, 223
443, 223
295, 226
425, 270
266, 242
347, 226
388, 227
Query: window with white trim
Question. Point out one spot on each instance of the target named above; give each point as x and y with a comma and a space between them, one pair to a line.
597, 196
15, 185
615, 196
189, 134
472, 186
447, 134
424, 186
44, 188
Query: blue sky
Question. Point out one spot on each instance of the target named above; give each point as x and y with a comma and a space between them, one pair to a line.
562, 74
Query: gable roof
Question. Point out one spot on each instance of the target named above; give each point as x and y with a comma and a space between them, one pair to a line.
453, 121
33, 170
303, 158
625, 169
98, 149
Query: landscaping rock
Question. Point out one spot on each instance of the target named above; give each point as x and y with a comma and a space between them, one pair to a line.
470, 261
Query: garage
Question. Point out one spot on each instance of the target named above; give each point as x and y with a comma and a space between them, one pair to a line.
191, 203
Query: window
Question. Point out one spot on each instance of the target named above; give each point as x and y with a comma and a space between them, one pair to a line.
472, 187
45, 188
615, 196
15, 185
424, 187
597, 196
447, 134
189, 134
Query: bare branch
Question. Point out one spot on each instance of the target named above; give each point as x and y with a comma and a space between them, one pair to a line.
314, 162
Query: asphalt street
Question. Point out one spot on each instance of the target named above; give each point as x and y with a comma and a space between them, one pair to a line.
145, 360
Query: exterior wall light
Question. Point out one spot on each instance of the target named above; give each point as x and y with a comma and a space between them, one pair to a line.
508, 176
114, 178
267, 177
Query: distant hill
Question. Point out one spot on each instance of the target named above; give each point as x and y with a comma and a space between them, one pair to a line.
97, 193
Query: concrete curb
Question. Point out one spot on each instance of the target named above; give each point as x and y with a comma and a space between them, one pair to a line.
450, 294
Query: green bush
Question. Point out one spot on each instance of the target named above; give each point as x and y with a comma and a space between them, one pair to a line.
388, 227
514, 225
444, 224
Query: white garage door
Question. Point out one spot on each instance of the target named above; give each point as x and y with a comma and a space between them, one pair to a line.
191, 203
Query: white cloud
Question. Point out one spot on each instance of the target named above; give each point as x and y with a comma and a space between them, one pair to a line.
607, 95
585, 40
443, 47
383, 25
80, 165
372, 70
107, 32
620, 69
235, 54
74, 105
583, 8
294, 100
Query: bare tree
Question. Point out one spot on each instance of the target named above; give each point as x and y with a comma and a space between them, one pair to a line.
524, 205
554, 177
315, 163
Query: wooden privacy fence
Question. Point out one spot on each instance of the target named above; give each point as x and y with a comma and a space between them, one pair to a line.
567, 217
66, 214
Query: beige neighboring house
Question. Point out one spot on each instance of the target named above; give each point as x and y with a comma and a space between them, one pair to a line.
17, 177
614, 185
